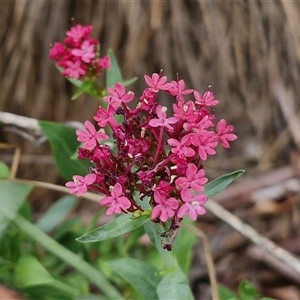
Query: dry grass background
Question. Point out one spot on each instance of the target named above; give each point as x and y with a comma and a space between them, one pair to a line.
249, 51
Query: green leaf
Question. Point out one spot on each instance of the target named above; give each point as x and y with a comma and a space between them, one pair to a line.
114, 228
183, 246
217, 185
30, 272
174, 285
64, 143
85, 86
225, 293
114, 74
247, 291
56, 213
4, 170
139, 274
13, 195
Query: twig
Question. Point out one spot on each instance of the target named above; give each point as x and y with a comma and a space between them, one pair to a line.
247, 231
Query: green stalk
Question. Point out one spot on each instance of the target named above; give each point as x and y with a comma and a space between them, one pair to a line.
66, 255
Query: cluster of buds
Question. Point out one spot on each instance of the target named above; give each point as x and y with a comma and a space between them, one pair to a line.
156, 161
79, 55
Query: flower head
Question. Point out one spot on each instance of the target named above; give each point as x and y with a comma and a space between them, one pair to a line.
155, 157
79, 55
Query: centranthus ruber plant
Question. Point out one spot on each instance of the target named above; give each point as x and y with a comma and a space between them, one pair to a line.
155, 166
144, 158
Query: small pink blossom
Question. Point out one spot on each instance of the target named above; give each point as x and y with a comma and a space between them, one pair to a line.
207, 145
224, 133
162, 189
80, 184
104, 62
116, 202
185, 111
74, 69
118, 95
86, 53
208, 98
181, 147
106, 116
178, 89
192, 205
78, 32
90, 137
165, 208
194, 179
162, 119
156, 83
57, 51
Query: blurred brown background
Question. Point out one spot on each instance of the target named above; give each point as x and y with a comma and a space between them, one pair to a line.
249, 51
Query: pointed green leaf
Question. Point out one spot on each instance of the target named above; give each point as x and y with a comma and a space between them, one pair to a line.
64, 143
13, 195
114, 74
86, 86
217, 185
56, 213
139, 274
114, 228
30, 272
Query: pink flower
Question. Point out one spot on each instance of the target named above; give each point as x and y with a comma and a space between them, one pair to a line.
224, 133
156, 83
86, 53
104, 62
208, 98
165, 208
192, 205
104, 116
162, 119
57, 51
116, 202
185, 111
80, 184
194, 179
207, 144
178, 89
77, 32
74, 69
181, 147
162, 189
90, 137
118, 95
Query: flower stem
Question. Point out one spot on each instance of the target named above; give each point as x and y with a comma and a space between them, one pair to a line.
160, 138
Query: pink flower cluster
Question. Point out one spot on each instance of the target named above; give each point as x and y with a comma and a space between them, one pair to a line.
79, 55
157, 156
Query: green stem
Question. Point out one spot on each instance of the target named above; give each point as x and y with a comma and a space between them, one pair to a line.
66, 255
